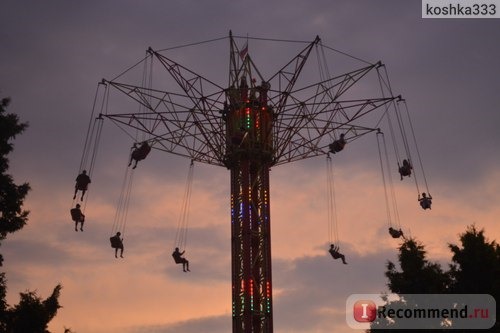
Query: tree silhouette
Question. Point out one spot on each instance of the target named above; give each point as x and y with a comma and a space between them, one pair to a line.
3, 303
417, 276
32, 314
475, 269
476, 265
12, 216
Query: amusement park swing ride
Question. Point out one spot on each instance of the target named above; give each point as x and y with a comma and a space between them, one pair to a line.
249, 125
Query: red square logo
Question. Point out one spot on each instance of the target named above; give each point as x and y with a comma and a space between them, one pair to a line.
364, 311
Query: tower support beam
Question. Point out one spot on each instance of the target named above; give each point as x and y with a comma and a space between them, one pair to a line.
248, 156
251, 247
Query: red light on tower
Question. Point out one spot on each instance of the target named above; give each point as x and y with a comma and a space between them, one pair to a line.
247, 116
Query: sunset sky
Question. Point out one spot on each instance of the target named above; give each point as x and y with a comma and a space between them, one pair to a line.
53, 54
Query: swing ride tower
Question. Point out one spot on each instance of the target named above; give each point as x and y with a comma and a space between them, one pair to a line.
253, 123
249, 156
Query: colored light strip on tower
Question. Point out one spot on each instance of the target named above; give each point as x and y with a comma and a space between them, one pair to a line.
247, 116
268, 296
242, 298
232, 208
257, 119
251, 294
266, 204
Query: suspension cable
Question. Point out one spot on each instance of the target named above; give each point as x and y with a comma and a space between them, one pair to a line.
88, 136
99, 121
193, 44
92, 138
180, 240
121, 214
393, 139
403, 132
147, 83
387, 208
392, 193
348, 55
416, 147
93, 133
386, 113
325, 76
333, 233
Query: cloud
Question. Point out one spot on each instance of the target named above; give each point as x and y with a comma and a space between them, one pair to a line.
209, 324
310, 295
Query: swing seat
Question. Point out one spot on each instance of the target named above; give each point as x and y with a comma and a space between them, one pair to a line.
141, 152
116, 243
76, 215
177, 259
82, 186
405, 171
426, 204
395, 233
82, 182
337, 146
334, 254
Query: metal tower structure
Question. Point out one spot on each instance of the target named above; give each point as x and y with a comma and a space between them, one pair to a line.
253, 123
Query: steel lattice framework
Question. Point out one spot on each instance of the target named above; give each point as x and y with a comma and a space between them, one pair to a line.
252, 124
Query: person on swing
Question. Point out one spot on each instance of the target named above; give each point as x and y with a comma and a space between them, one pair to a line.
180, 260
82, 183
139, 153
78, 217
396, 233
117, 243
405, 169
425, 201
334, 251
338, 145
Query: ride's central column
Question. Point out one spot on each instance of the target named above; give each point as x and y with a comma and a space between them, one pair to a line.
249, 152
